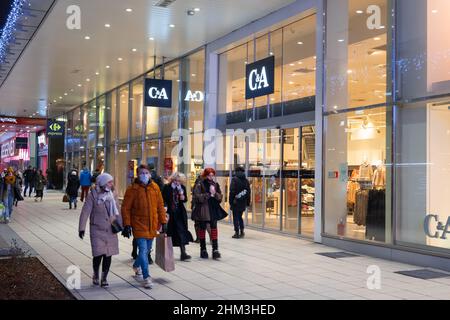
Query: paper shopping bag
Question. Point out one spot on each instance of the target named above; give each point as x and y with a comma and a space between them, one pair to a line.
164, 253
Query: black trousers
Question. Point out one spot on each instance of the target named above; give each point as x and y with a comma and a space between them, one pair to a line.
237, 220
105, 265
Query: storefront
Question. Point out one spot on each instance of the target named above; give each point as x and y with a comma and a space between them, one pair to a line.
42, 151
349, 148
15, 153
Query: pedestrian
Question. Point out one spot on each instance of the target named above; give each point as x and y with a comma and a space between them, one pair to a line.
158, 180
27, 175
95, 175
8, 185
39, 185
105, 222
207, 197
18, 188
239, 200
174, 195
33, 177
143, 212
73, 185
196, 223
86, 182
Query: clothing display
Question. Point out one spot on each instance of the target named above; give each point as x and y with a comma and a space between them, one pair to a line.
379, 177
365, 172
308, 196
361, 205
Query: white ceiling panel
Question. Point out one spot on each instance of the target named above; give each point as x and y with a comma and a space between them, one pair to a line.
57, 60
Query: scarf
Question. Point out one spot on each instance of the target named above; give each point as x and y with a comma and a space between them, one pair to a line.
10, 180
107, 196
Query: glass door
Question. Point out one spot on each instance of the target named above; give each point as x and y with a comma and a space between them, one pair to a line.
272, 181
307, 174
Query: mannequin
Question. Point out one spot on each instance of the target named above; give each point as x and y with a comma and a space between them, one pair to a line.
379, 177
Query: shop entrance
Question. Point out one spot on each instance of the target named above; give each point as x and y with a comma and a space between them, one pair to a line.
281, 169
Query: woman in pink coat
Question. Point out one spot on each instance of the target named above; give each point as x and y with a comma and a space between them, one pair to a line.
105, 220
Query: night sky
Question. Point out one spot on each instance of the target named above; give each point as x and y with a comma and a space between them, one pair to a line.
5, 6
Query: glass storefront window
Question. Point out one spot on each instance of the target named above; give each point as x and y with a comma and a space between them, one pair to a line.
168, 118
358, 174
123, 170
101, 121
92, 124
123, 113
356, 53
137, 109
111, 119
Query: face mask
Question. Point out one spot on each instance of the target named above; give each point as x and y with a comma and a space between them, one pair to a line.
145, 178
106, 189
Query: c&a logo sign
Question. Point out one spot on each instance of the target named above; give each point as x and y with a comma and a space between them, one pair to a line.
260, 78
197, 96
158, 93
436, 229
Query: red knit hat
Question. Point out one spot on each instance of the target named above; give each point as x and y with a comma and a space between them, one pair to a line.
208, 171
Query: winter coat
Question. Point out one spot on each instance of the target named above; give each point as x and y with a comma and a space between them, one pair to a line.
5, 189
206, 207
238, 184
29, 175
73, 185
85, 178
143, 210
103, 240
177, 227
39, 182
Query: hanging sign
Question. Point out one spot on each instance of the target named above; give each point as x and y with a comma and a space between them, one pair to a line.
260, 78
55, 128
158, 93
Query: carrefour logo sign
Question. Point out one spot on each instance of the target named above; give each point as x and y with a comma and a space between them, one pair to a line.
260, 78
158, 93
55, 128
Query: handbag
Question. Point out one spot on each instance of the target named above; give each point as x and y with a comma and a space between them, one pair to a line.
65, 198
116, 227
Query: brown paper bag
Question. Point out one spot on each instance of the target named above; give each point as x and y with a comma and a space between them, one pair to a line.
164, 253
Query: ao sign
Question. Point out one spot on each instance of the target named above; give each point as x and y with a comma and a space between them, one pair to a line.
260, 78
158, 93
436, 229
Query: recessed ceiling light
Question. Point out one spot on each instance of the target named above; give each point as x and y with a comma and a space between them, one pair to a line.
54, 101
88, 79
120, 59
359, 11
107, 67
79, 84
134, 49
300, 42
172, 25
196, 9
87, 38
107, 25
151, 38
349, 71
194, 75
129, 10
60, 97
341, 40
97, 73
65, 93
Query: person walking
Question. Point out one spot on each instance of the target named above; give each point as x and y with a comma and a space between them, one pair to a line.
143, 211
39, 185
73, 185
18, 188
207, 197
86, 182
8, 185
174, 195
28, 178
105, 222
239, 200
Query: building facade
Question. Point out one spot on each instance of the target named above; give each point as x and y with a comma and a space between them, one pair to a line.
350, 147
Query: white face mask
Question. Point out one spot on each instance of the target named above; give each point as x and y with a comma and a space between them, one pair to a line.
145, 178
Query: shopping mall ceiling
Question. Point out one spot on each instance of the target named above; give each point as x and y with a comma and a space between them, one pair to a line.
116, 42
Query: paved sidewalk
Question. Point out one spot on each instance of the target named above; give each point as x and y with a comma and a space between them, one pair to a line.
261, 266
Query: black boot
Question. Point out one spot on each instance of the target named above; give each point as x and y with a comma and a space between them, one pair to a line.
236, 235
104, 283
75, 205
216, 253
70, 205
242, 233
95, 280
184, 255
203, 252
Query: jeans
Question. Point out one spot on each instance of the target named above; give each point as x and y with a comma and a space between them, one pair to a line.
73, 200
144, 246
237, 220
9, 203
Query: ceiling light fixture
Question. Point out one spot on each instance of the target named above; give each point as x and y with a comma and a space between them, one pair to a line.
120, 59
134, 49
197, 9
88, 80
359, 11
97, 73
107, 67
172, 25
129, 10
107, 25
151, 38
300, 42
87, 38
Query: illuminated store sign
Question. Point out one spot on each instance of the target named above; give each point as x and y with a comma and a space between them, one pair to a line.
158, 93
260, 78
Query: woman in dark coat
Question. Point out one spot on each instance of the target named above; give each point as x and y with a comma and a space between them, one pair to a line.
240, 195
207, 210
174, 195
73, 185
